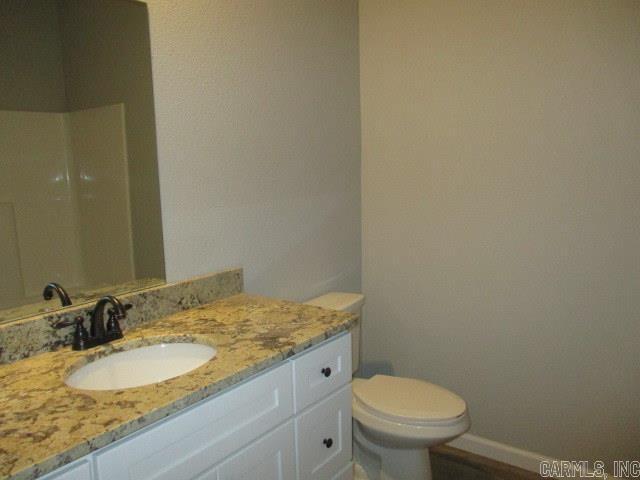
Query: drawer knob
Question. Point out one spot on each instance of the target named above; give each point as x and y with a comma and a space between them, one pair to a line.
328, 442
326, 371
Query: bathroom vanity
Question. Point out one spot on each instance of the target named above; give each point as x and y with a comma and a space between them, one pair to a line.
293, 421
274, 403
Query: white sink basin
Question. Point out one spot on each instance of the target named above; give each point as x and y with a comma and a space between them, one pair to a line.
141, 366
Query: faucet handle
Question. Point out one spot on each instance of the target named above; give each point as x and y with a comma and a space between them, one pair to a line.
112, 311
113, 324
80, 335
127, 306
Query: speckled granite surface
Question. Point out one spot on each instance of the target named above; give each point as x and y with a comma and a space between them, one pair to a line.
79, 298
45, 424
34, 335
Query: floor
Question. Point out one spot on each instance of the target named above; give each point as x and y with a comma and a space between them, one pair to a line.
448, 463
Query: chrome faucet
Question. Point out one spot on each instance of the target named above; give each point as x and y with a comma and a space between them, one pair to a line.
98, 333
47, 293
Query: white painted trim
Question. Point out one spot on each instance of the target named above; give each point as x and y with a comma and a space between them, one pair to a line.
502, 452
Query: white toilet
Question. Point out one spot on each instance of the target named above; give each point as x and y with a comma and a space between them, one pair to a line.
396, 419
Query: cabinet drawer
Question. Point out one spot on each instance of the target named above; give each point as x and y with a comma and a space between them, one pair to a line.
270, 458
79, 470
323, 436
322, 371
190, 443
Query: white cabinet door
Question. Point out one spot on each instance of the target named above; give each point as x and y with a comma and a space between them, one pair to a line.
321, 371
323, 436
192, 442
79, 470
270, 458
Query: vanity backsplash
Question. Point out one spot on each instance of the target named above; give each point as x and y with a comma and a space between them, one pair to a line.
31, 336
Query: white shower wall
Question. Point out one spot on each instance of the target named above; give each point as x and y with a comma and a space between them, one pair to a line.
44, 224
99, 152
35, 191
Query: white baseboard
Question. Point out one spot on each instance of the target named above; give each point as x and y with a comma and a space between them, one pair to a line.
504, 453
501, 452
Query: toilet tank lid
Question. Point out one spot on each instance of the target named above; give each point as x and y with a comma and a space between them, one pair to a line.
346, 302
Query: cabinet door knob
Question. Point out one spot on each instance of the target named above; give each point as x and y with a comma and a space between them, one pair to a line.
326, 371
328, 442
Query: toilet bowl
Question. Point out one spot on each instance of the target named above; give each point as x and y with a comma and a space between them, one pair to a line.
396, 419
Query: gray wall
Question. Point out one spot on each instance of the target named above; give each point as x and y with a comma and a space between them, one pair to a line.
257, 113
107, 61
31, 74
500, 185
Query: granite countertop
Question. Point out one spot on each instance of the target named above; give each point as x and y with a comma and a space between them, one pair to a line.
78, 297
45, 424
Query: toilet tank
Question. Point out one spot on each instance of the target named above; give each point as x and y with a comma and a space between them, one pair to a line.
345, 302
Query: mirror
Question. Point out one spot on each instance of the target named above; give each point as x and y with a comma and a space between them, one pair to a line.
79, 191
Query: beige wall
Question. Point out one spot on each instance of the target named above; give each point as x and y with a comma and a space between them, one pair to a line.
107, 61
31, 74
257, 115
500, 187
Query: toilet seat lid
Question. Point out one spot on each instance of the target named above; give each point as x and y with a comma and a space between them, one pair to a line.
408, 400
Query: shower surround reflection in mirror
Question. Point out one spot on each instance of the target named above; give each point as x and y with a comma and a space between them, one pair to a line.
79, 197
